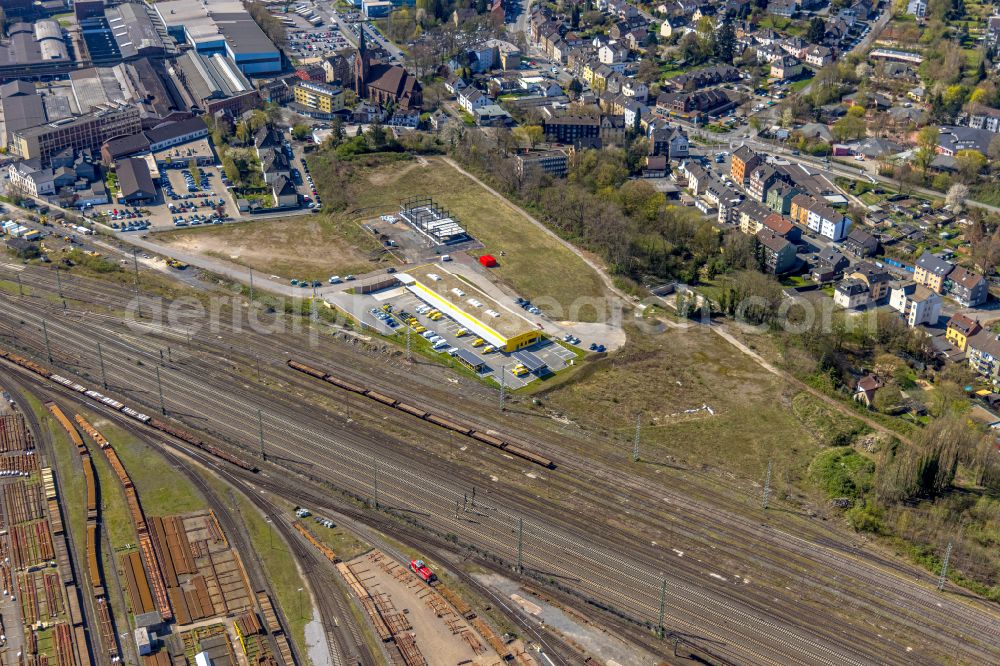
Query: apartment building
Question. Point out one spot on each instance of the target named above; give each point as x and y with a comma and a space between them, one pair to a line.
819, 217
931, 271
320, 99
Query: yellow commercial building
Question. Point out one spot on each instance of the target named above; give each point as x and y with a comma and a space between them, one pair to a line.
498, 325
319, 96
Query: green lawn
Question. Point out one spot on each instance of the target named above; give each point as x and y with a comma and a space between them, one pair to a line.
163, 491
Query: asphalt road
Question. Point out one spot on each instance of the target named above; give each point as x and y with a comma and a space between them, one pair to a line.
839, 603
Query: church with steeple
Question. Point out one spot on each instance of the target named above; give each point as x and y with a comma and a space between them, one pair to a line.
384, 84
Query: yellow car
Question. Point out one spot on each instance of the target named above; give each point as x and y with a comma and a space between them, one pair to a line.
461, 332
487, 349
477, 342
436, 316
419, 329
411, 321
520, 371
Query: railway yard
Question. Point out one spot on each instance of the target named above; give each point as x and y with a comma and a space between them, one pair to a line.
344, 427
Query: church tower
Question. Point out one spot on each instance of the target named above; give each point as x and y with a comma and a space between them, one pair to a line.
361, 67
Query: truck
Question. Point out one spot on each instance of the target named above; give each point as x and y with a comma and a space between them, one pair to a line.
423, 571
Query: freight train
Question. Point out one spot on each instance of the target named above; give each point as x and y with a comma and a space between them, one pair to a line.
421, 413
136, 415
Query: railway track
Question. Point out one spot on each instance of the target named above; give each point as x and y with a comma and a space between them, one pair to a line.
245, 435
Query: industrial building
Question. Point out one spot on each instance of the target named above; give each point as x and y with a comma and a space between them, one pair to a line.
135, 32
84, 132
212, 84
34, 50
496, 324
435, 223
221, 27
22, 108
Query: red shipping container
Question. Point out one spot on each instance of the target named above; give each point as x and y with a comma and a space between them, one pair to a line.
488, 260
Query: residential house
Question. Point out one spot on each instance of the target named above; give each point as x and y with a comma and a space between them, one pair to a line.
284, 193
819, 217
455, 85
760, 181
670, 142
785, 67
931, 271
751, 216
955, 138
818, 56
851, 293
916, 303
830, 264
865, 389
635, 89
779, 197
984, 117
983, 350
860, 243
993, 32
697, 177
968, 288
959, 329
702, 78
471, 99
611, 130
779, 254
743, 163
876, 279
783, 8
781, 226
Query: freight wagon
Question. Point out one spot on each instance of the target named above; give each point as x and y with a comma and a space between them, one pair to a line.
134, 414
421, 413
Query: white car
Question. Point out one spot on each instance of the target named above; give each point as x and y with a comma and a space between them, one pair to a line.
335, 279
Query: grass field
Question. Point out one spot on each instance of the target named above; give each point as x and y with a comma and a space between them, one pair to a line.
163, 491
662, 376
310, 247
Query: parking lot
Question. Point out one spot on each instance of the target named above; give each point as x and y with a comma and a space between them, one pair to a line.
387, 311
305, 41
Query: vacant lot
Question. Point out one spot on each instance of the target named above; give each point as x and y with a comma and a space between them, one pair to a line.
310, 247
532, 262
702, 402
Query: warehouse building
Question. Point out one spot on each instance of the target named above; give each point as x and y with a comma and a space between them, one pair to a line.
213, 83
221, 27
134, 181
135, 32
499, 326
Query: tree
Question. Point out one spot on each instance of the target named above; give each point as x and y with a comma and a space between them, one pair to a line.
970, 164
195, 171
242, 132
927, 143
849, 127
957, 194
574, 20
300, 131
724, 43
529, 135
816, 31
376, 135
230, 169
994, 150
